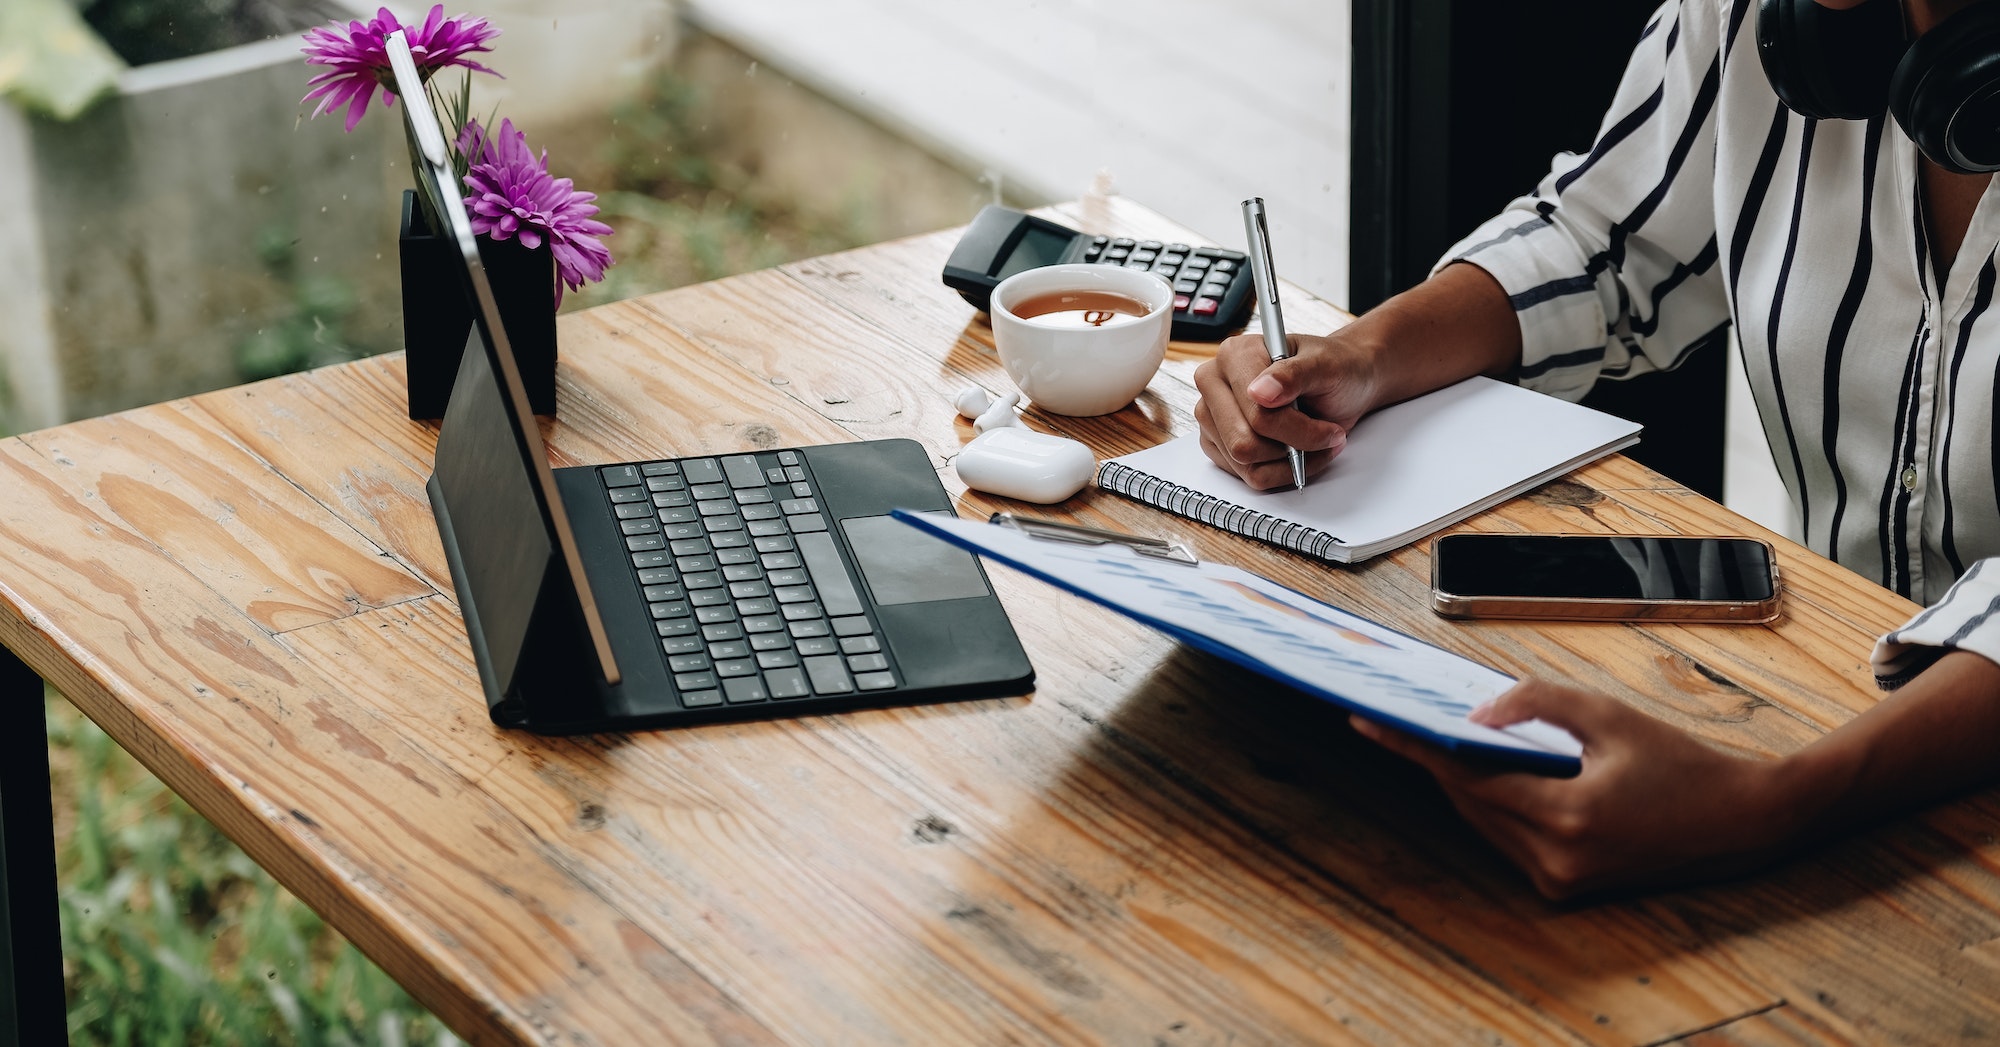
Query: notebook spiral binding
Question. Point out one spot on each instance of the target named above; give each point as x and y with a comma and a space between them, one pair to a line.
1205, 508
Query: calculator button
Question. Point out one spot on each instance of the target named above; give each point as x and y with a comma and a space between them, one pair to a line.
1116, 254
1150, 245
859, 645
1224, 265
1195, 266
1093, 254
1138, 263
1099, 241
1186, 287
814, 645
1178, 248
1206, 307
828, 675
854, 626
1173, 257
1166, 269
661, 469
1144, 255
742, 470
867, 663
1181, 303
621, 495
701, 471
1124, 241
786, 683
744, 689
697, 699
702, 681
619, 475
875, 681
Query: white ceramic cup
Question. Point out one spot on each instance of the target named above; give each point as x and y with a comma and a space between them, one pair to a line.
1082, 370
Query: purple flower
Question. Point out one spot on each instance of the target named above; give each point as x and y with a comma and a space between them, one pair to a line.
511, 195
358, 62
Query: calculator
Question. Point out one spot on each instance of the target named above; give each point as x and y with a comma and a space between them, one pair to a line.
1212, 285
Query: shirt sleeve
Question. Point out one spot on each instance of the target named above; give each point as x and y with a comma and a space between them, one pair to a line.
1967, 618
1610, 263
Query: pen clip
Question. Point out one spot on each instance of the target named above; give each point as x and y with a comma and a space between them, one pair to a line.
1054, 531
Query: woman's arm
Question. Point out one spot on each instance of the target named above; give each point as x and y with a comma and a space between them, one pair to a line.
1653, 805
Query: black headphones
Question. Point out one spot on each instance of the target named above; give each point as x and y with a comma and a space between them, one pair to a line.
1944, 89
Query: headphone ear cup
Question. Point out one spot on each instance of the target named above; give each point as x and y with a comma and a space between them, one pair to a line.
1827, 64
1946, 91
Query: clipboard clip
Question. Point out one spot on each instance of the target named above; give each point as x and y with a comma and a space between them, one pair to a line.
1053, 531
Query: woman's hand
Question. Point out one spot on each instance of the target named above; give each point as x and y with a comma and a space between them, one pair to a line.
1246, 414
1651, 805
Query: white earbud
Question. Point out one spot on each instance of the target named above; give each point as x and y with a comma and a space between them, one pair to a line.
1000, 414
972, 401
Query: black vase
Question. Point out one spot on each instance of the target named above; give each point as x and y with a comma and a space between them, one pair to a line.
437, 311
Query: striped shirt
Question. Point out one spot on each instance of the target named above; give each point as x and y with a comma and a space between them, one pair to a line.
1706, 203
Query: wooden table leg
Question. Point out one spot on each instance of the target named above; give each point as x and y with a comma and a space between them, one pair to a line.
31, 982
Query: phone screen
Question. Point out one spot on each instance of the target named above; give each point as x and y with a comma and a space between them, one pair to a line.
1593, 567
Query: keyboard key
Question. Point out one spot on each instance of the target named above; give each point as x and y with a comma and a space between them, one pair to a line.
660, 469
854, 626
632, 510
675, 514
715, 615
767, 528
690, 547
875, 681
701, 471
716, 507
828, 676
760, 512
732, 522
799, 612
743, 690
777, 658
733, 557
788, 457
867, 663
742, 572
795, 474
829, 575
669, 609
683, 530
730, 540
698, 699
702, 681
764, 642
658, 576
646, 526
672, 499
740, 667
795, 506
621, 495
704, 580
788, 576
644, 560
859, 645
764, 623
657, 484
681, 645
807, 522
742, 470
641, 542
775, 474
722, 631
762, 605
619, 475
708, 598
802, 490
674, 627
696, 562
776, 561
818, 645
747, 590
801, 630
753, 496
793, 593
710, 492
786, 683
729, 649
688, 663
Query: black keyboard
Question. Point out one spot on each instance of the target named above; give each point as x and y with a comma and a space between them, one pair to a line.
750, 595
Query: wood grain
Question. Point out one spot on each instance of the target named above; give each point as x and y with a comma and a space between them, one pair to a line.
246, 590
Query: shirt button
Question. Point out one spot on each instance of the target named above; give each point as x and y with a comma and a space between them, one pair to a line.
1909, 478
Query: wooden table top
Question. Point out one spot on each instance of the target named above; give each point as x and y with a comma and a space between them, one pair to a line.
246, 590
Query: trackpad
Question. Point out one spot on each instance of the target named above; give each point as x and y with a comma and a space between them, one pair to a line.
904, 565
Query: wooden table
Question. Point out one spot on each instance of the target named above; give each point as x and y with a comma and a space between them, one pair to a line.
246, 590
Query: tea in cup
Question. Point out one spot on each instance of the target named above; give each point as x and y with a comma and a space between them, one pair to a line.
1082, 339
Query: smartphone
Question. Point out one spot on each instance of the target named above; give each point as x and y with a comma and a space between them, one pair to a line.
1604, 577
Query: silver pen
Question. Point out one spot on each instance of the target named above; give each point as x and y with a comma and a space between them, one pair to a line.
1265, 277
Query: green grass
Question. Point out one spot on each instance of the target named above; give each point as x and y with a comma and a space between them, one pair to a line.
171, 935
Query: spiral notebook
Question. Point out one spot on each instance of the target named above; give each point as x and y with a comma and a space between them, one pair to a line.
1407, 471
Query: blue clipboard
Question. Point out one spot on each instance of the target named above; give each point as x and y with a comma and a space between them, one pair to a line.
1245, 618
